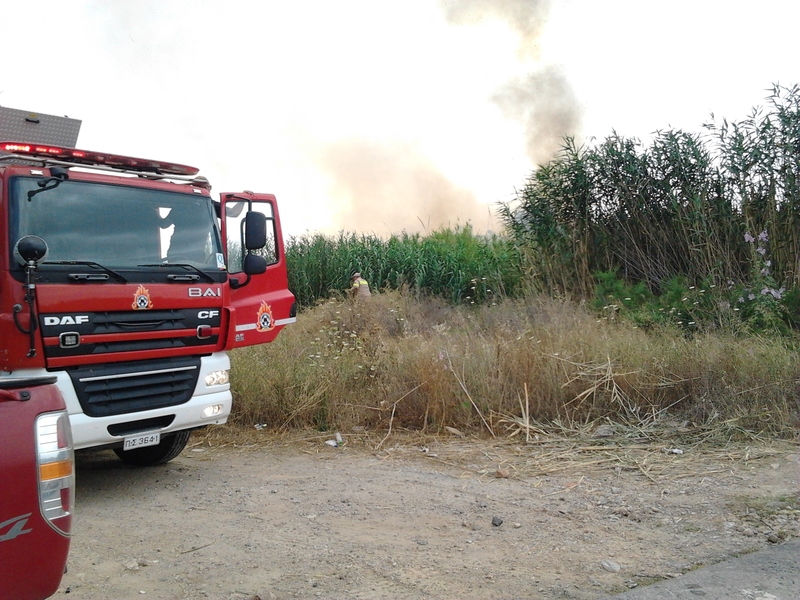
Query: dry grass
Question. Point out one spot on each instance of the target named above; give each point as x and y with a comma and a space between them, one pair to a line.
518, 368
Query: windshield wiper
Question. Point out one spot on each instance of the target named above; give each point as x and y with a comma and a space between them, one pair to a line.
88, 276
188, 267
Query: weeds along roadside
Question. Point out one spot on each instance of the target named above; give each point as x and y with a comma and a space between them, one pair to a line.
422, 364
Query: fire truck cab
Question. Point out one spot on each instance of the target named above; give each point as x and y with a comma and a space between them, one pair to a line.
126, 281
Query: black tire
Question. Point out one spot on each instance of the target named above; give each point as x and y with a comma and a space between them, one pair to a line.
170, 446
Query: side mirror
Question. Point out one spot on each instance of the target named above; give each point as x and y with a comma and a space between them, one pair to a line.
30, 249
255, 230
254, 264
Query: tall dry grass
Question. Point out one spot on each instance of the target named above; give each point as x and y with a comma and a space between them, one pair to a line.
400, 362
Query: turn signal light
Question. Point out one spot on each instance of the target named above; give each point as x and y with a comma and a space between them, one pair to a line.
56, 460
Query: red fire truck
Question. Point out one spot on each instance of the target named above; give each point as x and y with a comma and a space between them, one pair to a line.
128, 282
37, 475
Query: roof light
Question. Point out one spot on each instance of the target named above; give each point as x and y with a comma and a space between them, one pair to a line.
89, 158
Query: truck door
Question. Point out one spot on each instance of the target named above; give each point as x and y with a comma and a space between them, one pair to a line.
261, 303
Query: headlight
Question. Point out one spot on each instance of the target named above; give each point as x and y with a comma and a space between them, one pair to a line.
212, 411
218, 378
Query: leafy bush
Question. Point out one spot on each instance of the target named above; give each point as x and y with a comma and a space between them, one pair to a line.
759, 306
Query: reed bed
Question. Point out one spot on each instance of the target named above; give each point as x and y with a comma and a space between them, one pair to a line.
717, 210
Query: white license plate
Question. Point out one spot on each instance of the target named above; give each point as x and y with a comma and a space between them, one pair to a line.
140, 441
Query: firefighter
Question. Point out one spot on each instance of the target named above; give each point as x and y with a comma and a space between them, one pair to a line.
359, 288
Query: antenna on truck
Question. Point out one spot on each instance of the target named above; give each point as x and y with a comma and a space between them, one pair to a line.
57, 175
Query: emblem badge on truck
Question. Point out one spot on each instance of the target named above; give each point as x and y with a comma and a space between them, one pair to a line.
141, 299
265, 321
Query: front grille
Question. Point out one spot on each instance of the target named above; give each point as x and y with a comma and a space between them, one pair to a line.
153, 320
132, 331
131, 346
121, 388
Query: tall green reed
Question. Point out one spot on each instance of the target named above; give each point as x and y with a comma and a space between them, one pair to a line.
455, 264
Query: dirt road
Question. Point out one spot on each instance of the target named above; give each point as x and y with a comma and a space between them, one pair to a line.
450, 519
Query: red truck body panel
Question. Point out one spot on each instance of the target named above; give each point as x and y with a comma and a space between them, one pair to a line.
33, 554
260, 309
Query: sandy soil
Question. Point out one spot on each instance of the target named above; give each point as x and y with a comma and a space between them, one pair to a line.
415, 519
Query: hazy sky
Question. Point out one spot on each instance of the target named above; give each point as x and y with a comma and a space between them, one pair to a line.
377, 116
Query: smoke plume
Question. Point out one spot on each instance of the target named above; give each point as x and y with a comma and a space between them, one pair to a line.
526, 17
546, 106
389, 188
542, 101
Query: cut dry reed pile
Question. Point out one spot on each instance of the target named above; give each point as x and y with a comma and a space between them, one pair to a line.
658, 456
672, 452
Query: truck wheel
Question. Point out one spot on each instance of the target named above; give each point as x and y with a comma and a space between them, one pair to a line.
170, 446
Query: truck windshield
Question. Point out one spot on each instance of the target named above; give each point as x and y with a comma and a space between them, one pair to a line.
117, 226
